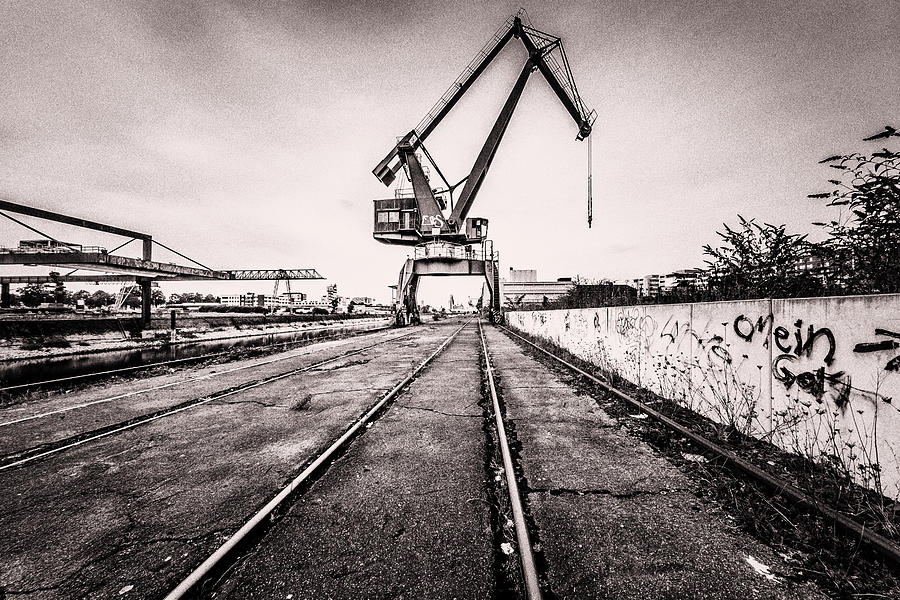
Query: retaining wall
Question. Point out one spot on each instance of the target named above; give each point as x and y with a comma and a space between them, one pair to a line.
816, 376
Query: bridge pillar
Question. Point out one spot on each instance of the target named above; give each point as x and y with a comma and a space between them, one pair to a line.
145, 301
5, 299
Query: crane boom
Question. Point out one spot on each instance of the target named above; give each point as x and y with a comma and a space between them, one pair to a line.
543, 50
559, 77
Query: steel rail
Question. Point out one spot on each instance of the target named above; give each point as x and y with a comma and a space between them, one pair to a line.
880, 543
199, 357
526, 554
106, 432
259, 518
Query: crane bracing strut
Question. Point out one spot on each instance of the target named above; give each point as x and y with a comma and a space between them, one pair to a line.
424, 212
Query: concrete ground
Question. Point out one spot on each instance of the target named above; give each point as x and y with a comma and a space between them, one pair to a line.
612, 519
404, 514
49, 418
133, 513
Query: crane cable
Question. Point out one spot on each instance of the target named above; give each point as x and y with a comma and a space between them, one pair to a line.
590, 208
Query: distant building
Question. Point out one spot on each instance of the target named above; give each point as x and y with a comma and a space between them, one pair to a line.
522, 275
813, 263
294, 299
248, 299
647, 286
365, 300
685, 278
522, 287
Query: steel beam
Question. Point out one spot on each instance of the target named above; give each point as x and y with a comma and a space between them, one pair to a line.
272, 274
448, 266
145, 300
78, 222
99, 278
241, 275
486, 156
100, 261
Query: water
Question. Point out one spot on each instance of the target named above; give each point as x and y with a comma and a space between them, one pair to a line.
13, 373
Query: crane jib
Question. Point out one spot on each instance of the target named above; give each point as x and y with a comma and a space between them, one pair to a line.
546, 55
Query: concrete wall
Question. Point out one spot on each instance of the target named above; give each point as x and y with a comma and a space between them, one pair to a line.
816, 376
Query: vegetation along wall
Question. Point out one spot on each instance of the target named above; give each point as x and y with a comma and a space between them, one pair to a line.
816, 376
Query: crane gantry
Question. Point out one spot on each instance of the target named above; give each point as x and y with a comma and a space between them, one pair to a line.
430, 217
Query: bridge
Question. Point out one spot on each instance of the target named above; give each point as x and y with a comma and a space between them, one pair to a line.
50, 252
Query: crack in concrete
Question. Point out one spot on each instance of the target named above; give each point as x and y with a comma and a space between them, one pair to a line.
349, 363
362, 389
263, 404
602, 492
119, 547
434, 410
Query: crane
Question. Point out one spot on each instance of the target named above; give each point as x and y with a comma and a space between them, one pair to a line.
435, 219
412, 219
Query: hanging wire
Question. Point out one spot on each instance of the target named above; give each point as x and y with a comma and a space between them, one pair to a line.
119, 247
590, 207
182, 255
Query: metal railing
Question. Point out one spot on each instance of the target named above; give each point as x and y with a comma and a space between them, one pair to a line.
54, 250
455, 251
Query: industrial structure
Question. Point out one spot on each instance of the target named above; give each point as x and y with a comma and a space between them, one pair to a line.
447, 241
522, 287
109, 267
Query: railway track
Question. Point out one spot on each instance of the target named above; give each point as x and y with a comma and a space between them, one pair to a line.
224, 556
52, 486
207, 578
61, 445
472, 472
880, 544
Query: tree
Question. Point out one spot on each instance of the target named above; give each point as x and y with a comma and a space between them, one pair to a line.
100, 299
157, 297
863, 249
133, 299
759, 261
34, 294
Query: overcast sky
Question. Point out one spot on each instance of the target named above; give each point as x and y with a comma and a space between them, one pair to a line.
244, 134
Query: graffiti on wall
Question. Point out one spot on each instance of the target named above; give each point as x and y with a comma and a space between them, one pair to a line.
815, 344
891, 344
784, 378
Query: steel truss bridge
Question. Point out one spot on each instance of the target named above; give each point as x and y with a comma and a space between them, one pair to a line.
111, 267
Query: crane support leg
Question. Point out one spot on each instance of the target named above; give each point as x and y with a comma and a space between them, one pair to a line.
406, 308
492, 275
483, 162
